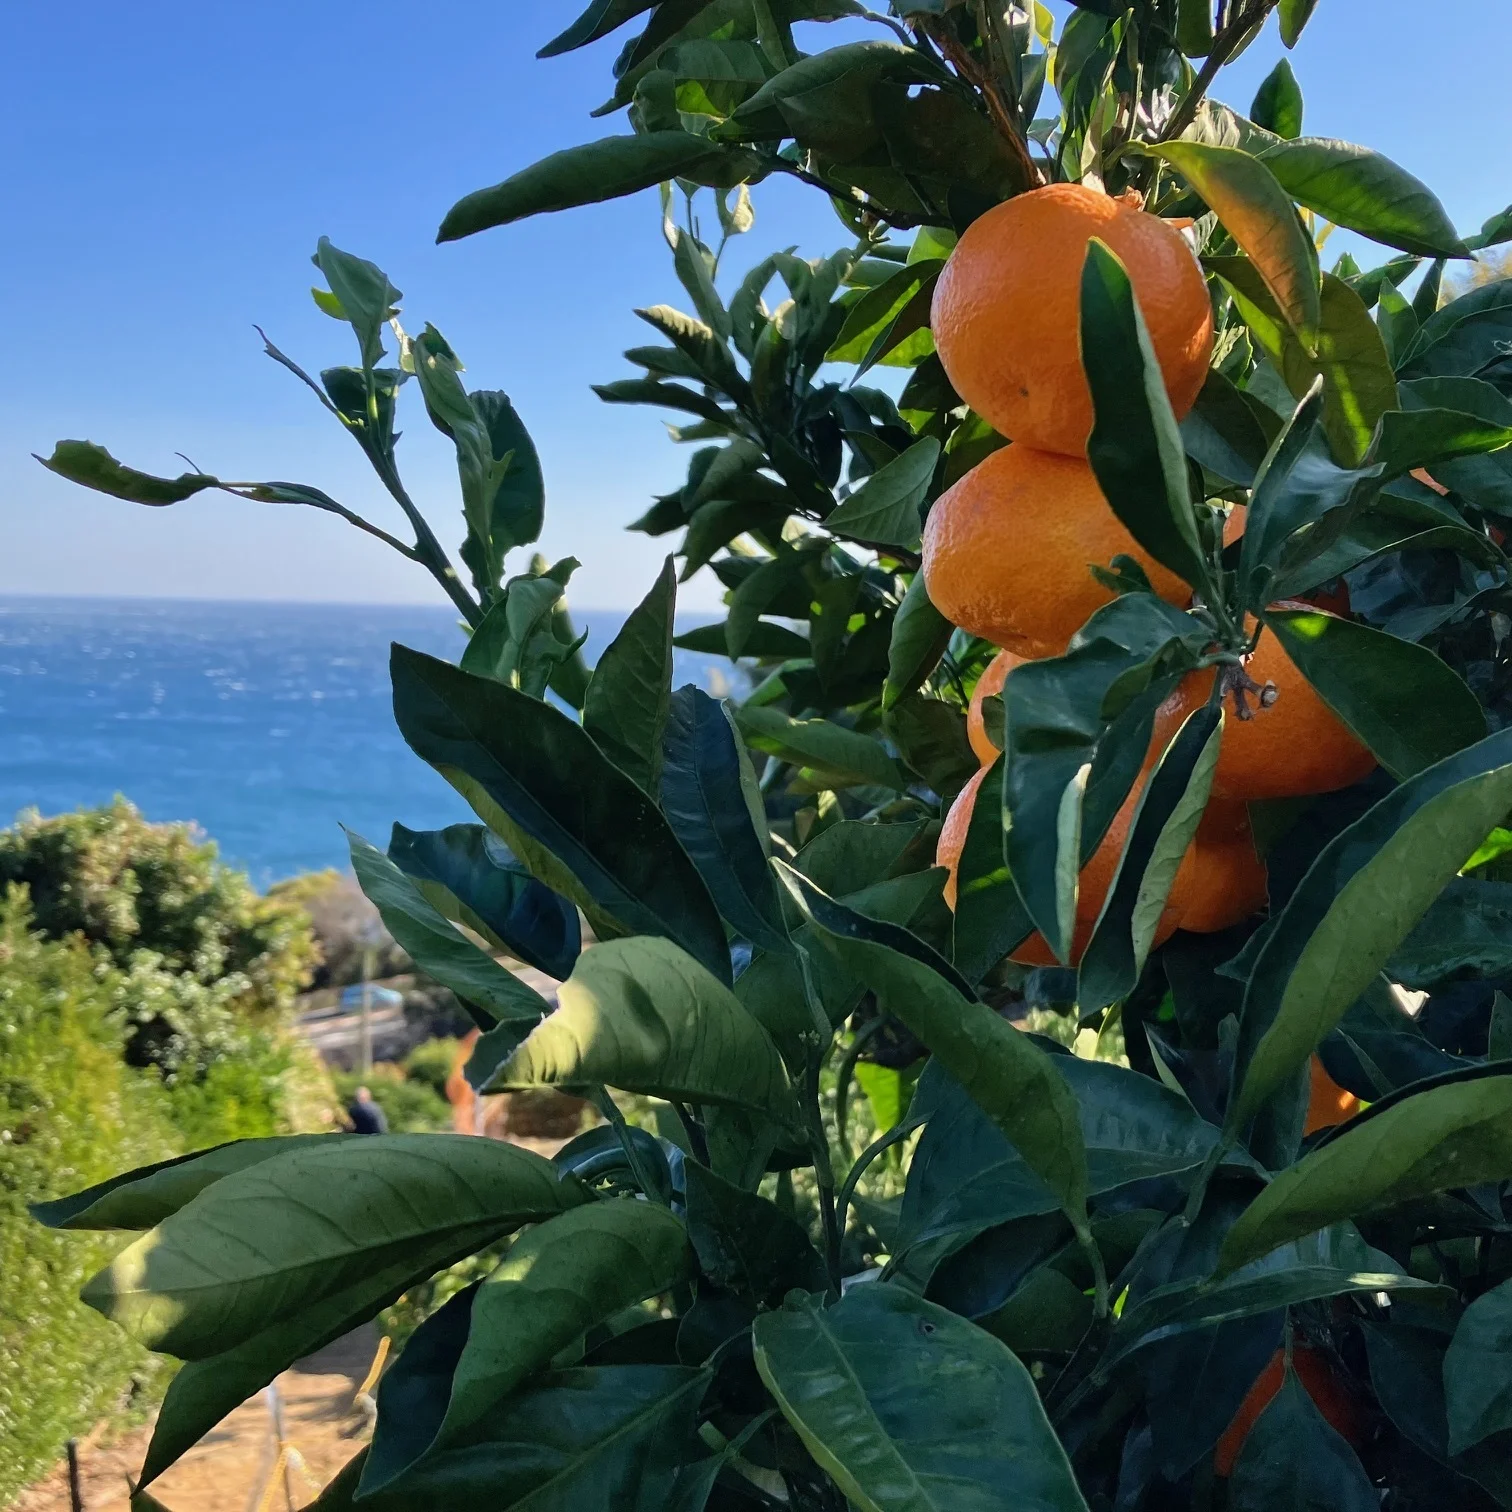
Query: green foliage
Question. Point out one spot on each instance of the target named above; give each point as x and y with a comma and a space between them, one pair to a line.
1071, 1271
202, 959
412, 1104
71, 1112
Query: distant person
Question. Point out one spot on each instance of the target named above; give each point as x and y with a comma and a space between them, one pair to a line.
365, 1115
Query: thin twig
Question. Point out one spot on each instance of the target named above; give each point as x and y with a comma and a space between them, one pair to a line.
1224, 45
253, 492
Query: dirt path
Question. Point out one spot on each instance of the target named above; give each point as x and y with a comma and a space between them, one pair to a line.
225, 1470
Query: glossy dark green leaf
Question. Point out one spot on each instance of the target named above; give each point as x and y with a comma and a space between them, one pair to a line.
142, 1198
1478, 1370
966, 1177
1401, 700
1426, 437
1292, 1458
92, 466
710, 798
1466, 931
931, 738
1278, 102
468, 876
990, 919
1358, 902
519, 504
1165, 824
886, 316
764, 640
556, 1282
277, 1237
1365, 192
745, 1243
1010, 1077
1258, 213
1448, 1136
626, 707
570, 815
436, 945
920, 634
600, 18
1294, 16
885, 510
644, 1016
1135, 447
840, 757
1222, 432
612, 1436
860, 1382
701, 345
585, 175
674, 396
1463, 337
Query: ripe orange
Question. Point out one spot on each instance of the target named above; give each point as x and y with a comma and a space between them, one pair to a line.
1328, 1104
989, 685
952, 839
1317, 1378
1007, 551
1222, 880
1006, 312
1296, 747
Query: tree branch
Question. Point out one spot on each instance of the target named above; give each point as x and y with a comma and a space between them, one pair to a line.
1225, 44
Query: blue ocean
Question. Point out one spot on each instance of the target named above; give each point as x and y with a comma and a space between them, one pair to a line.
268, 725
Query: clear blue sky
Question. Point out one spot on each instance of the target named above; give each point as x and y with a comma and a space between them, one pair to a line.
169, 166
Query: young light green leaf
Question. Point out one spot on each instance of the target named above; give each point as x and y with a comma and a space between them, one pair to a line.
1356, 905
535, 777
644, 1016
860, 1382
1002, 1070
368, 300
1278, 102
607, 169
1135, 447
1258, 213
266, 1242
1407, 705
1294, 16
626, 707
436, 945
1448, 1136
555, 1283
885, 510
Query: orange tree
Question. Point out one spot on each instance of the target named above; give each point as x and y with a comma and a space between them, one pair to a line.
1176, 1282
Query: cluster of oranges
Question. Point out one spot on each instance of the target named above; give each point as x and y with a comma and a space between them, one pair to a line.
1008, 549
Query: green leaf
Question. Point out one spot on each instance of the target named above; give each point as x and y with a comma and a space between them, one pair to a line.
368, 300
516, 642
1002, 1070
885, 510
437, 947
468, 876
142, 1198
1358, 902
1408, 706
930, 735
626, 707
990, 918
556, 1282
519, 502
1292, 1458
601, 18
840, 757
920, 634
569, 814
746, 1244
607, 169
1135, 447
1449, 1136
265, 1242
860, 1382
1413, 438
606, 1436
1294, 16
1360, 189
92, 466
763, 641
644, 1016
701, 343
883, 321
1465, 336
711, 800
667, 396
1223, 432
1478, 1370
1164, 826
1278, 103
1258, 213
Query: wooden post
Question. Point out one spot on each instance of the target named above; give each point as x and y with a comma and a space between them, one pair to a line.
75, 1484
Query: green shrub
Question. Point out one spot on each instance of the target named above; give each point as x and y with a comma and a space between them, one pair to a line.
431, 1063
202, 954
411, 1107
71, 1111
